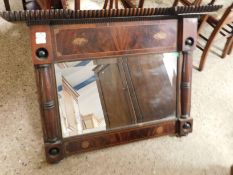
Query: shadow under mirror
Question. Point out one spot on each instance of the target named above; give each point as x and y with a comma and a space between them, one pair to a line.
102, 94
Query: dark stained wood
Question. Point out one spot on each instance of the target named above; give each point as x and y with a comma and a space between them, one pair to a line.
186, 81
44, 4
114, 95
104, 40
135, 89
178, 83
132, 103
35, 46
125, 3
66, 16
155, 96
188, 30
7, 5
187, 2
31, 5
134, 48
90, 142
187, 37
51, 4
141, 3
228, 46
77, 5
128, 36
48, 98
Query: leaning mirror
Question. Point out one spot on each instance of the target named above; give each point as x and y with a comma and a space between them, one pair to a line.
109, 77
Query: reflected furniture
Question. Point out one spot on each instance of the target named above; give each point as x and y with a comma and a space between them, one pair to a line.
141, 61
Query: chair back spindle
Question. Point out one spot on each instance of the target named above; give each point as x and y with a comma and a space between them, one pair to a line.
7, 5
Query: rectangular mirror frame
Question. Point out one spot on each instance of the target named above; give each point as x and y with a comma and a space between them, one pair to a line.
44, 36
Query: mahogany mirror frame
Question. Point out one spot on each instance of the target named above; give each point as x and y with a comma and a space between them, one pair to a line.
57, 147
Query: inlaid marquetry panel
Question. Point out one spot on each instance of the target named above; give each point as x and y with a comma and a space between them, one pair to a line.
103, 40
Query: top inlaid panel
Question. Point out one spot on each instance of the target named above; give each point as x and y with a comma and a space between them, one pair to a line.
86, 41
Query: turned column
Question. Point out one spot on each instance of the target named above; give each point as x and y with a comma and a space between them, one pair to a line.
186, 43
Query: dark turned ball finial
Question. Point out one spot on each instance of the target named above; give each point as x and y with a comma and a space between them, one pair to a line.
54, 151
187, 125
189, 41
42, 53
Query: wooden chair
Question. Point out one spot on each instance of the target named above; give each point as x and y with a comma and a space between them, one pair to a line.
223, 26
39, 4
126, 4
218, 26
27, 5
52, 4
195, 3
109, 4
187, 2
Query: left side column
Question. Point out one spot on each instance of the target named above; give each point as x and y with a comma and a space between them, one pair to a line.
42, 57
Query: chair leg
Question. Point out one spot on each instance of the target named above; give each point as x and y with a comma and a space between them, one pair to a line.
175, 3
24, 4
111, 4
77, 4
197, 2
116, 4
202, 23
228, 47
141, 3
207, 48
7, 5
231, 47
105, 4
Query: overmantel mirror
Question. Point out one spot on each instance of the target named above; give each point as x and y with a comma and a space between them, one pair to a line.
108, 77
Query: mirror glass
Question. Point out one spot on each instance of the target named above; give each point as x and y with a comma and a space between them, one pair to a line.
103, 94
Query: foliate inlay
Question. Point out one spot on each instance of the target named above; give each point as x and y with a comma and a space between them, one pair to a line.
160, 36
80, 42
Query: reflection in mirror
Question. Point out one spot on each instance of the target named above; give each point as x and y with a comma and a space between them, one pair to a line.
103, 94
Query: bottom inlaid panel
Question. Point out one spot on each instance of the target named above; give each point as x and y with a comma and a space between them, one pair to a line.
80, 144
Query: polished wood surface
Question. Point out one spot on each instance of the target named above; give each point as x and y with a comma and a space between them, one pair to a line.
132, 45
104, 40
118, 109
79, 144
51, 4
126, 3
130, 92
155, 100
7, 5
49, 110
